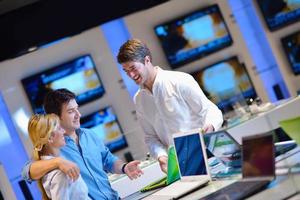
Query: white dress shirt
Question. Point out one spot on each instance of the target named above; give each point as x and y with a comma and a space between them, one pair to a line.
59, 187
176, 104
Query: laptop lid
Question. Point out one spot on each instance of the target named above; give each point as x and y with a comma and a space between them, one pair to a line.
172, 173
191, 155
258, 160
224, 147
173, 170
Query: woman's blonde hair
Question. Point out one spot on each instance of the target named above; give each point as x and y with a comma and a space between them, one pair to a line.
40, 128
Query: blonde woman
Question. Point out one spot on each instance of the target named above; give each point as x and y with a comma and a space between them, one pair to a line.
47, 138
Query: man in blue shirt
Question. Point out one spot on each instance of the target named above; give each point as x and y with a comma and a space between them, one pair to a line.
84, 148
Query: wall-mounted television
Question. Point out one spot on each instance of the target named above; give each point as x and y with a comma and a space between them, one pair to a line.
78, 75
291, 46
105, 124
225, 83
193, 35
279, 13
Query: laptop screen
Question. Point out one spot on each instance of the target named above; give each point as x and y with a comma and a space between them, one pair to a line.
190, 155
224, 147
258, 156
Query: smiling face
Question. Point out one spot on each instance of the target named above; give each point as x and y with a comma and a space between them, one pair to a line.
70, 117
136, 71
139, 72
57, 137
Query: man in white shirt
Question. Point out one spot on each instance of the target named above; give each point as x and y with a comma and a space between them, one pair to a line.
167, 101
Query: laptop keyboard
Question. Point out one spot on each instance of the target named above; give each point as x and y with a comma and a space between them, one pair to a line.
237, 190
157, 184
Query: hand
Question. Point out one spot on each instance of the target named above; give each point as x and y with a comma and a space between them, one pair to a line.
69, 168
163, 163
207, 128
132, 169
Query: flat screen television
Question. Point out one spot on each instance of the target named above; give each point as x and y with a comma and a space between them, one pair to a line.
279, 13
105, 124
291, 46
225, 83
193, 35
78, 75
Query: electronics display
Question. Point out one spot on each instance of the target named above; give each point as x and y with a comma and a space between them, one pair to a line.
78, 75
189, 147
224, 147
279, 13
193, 36
225, 83
105, 124
291, 45
258, 156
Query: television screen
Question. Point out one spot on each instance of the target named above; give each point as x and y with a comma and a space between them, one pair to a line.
105, 124
279, 13
291, 45
193, 36
226, 83
78, 75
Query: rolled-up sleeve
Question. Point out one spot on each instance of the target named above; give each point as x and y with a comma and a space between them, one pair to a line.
108, 159
26, 172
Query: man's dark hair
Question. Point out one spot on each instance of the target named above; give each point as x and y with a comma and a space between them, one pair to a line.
55, 99
133, 50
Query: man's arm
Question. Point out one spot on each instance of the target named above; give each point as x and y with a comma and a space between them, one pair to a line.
163, 163
131, 169
206, 109
157, 149
39, 168
155, 146
117, 167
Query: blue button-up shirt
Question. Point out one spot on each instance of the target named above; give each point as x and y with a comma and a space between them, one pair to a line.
94, 160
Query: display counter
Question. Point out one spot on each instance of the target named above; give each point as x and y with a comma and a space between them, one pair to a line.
252, 124
125, 187
246, 125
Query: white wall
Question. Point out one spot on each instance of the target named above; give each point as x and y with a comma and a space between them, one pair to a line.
141, 25
92, 42
292, 81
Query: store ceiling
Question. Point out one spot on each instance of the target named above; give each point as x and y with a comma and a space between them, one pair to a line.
10, 5
28, 23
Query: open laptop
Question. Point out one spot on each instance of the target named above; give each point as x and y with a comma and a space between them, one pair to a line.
258, 168
172, 173
224, 147
193, 166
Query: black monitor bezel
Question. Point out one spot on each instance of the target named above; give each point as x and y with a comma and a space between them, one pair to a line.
286, 51
275, 28
54, 68
192, 59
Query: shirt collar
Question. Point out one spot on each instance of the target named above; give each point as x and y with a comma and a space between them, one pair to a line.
157, 79
159, 70
78, 132
47, 157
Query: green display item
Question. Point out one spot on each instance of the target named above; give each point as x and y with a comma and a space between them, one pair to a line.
292, 128
172, 173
